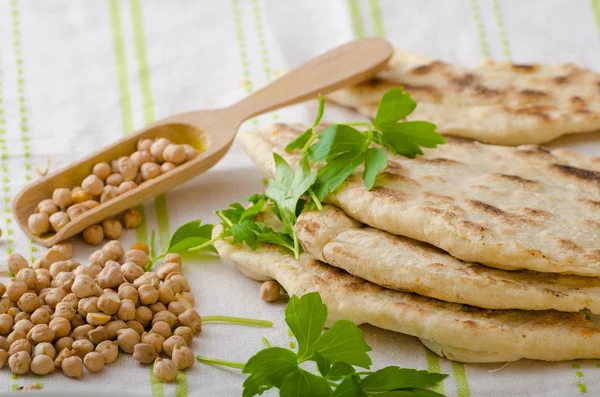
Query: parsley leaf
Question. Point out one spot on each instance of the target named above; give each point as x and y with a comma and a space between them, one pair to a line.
410, 393
299, 142
339, 370
302, 383
375, 161
344, 342
349, 387
335, 172
306, 317
405, 138
268, 368
337, 139
394, 105
392, 378
190, 235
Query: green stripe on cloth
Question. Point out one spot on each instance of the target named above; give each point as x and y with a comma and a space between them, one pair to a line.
485, 51
596, 9
23, 126
357, 25
460, 378
4, 177
377, 19
239, 33
501, 30
579, 374
262, 45
433, 365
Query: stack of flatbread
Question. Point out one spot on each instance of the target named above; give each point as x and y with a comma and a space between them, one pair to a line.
485, 253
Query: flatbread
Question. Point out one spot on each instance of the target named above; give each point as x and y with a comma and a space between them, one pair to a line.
542, 335
404, 264
511, 208
495, 102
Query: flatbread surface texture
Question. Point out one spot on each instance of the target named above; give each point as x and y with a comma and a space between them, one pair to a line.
495, 102
511, 208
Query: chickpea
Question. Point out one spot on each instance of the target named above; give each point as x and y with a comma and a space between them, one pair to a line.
59, 252
179, 278
112, 228
144, 144
138, 257
19, 345
109, 350
76, 210
29, 302
144, 353
84, 286
167, 268
157, 307
92, 269
72, 300
94, 361
77, 321
22, 316
81, 347
127, 339
126, 186
140, 157
42, 364
155, 340
39, 224
171, 342
182, 356
63, 280
72, 367
109, 303
61, 327
97, 318
98, 334
93, 185
93, 235
136, 326
5, 304
143, 315
40, 316
46, 207
147, 278
16, 262
158, 147
131, 271
42, 281
46, 349
174, 286
165, 316
161, 328
186, 298
191, 318
58, 267
58, 220
150, 171
177, 307
41, 333
63, 353
112, 327
126, 310
185, 332
166, 167
114, 179
147, 294
110, 277
87, 305
19, 362
62, 197
101, 170
190, 152
55, 296
174, 154
78, 195
3, 358
127, 168
23, 325
132, 219
4, 345
64, 310
14, 310
28, 276
128, 292
41, 263
113, 250
165, 370
165, 295
81, 331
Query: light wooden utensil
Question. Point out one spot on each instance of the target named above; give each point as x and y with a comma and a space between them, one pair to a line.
210, 131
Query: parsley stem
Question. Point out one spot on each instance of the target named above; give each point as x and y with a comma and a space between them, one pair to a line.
237, 320
265, 342
216, 361
356, 123
308, 143
224, 218
296, 246
315, 199
205, 244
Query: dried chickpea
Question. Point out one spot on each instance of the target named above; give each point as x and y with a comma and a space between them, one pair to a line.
84, 286
132, 219
112, 327
42, 364
39, 224
182, 356
168, 268
174, 153
185, 332
98, 334
114, 179
138, 179
175, 287
47, 308
158, 147
72, 300
61, 327
110, 277
72, 367
93, 185
165, 370
166, 167
16, 262
55, 295
58, 220
157, 307
97, 318
46, 207
19, 362
28, 276
94, 361
23, 325
149, 171
93, 235
62, 354
143, 315
77, 321
165, 316
19, 345
3, 358
40, 316
87, 305
171, 342
14, 310
172, 258
41, 263
41, 333
165, 295
5, 304
78, 195
101, 170
112, 228
76, 210
59, 252
127, 339
147, 278
144, 353
191, 318
144, 144
138, 257
131, 271
4, 345
126, 310
136, 326
109, 350
64, 310
29, 301
138, 245
62, 197
147, 294
190, 152
81, 347
45, 348
177, 307
15, 336
113, 250
179, 278
161, 328
22, 316
57, 267
186, 298
127, 168
140, 157
63, 280
128, 292
81, 331
153, 339
126, 186
109, 303
92, 269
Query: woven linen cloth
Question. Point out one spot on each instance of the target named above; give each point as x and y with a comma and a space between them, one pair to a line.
76, 75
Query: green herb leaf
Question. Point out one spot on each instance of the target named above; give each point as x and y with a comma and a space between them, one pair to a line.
306, 317
299, 142
375, 161
410, 393
405, 138
255, 198
339, 370
323, 364
344, 342
191, 242
320, 110
302, 383
349, 387
268, 368
391, 378
191, 229
337, 139
394, 105
335, 172
245, 232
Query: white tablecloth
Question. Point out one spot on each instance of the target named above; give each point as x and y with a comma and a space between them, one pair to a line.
78, 74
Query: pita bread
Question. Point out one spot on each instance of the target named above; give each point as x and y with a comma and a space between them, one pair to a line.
543, 335
511, 208
400, 263
495, 102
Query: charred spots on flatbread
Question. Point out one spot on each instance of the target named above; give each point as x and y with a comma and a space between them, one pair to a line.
516, 180
523, 68
577, 173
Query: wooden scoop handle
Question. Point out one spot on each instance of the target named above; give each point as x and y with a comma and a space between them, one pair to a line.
342, 66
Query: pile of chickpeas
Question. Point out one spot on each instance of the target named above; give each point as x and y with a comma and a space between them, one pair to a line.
58, 314
152, 158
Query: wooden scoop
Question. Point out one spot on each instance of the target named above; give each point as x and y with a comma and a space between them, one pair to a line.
210, 131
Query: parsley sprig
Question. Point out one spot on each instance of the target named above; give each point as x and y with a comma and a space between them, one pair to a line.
336, 353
